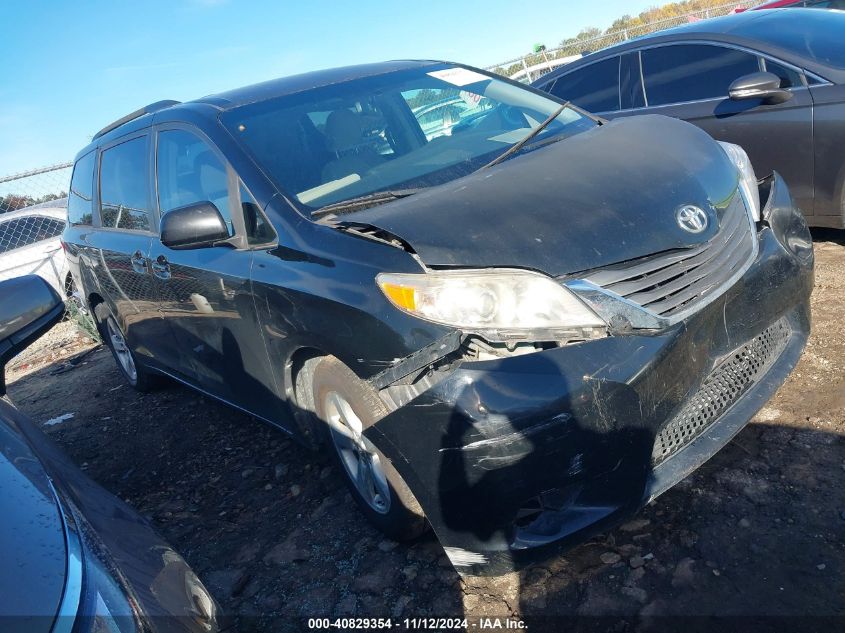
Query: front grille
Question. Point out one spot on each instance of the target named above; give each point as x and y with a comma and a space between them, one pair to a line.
669, 283
724, 386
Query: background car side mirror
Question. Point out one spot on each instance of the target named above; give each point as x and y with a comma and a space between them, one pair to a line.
765, 86
28, 307
197, 225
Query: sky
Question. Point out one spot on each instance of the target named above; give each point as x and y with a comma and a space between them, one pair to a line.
68, 68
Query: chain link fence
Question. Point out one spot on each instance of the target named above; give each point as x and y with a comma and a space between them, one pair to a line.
34, 187
33, 211
531, 67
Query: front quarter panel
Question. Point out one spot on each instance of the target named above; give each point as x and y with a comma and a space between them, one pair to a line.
317, 289
575, 428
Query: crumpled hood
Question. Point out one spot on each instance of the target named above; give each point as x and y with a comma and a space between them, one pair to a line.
597, 198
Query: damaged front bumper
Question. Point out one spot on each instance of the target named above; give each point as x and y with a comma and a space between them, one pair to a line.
513, 459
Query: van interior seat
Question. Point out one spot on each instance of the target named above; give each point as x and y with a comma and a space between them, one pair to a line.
345, 134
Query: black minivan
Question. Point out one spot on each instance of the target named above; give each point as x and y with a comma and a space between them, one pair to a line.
505, 318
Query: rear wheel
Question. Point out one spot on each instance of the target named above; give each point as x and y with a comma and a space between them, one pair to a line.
348, 406
137, 377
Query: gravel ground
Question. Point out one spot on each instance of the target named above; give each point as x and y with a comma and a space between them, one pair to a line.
757, 531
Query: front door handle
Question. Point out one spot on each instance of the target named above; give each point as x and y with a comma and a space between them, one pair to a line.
139, 262
161, 267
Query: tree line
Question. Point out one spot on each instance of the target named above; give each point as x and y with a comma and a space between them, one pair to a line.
14, 201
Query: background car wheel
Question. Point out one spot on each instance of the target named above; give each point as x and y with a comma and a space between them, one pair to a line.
348, 405
137, 377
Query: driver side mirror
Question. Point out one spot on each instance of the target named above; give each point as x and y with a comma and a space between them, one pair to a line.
28, 307
197, 225
765, 86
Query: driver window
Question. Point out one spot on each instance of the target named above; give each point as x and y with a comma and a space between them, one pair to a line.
188, 171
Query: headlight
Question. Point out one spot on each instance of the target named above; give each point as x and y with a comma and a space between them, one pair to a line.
105, 606
747, 177
500, 305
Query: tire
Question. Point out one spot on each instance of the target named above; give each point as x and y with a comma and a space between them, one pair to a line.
137, 376
343, 401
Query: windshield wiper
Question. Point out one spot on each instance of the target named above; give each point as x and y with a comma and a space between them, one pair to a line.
513, 149
363, 202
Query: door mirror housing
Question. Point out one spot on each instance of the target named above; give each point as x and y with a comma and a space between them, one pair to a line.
29, 306
197, 225
765, 86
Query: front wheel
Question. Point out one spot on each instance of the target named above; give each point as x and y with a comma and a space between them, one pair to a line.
347, 405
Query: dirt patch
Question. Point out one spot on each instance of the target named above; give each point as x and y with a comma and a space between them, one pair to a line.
63, 343
758, 530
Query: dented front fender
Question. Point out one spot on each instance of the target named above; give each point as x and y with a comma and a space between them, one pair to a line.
516, 457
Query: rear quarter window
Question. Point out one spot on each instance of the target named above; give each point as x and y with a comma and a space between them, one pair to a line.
23, 232
80, 199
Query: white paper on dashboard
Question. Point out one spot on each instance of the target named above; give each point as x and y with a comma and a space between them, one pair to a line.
458, 76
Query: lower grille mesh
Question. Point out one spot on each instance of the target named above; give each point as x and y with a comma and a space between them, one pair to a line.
721, 389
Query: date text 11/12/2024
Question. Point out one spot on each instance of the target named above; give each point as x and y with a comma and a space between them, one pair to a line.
418, 624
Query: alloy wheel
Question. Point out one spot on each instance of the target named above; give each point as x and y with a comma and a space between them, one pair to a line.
121, 349
357, 453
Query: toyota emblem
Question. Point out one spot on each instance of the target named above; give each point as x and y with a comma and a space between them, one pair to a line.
692, 219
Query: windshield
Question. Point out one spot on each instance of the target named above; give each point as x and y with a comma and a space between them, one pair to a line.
401, 130
814, 34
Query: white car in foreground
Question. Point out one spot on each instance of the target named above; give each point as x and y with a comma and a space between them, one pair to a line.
30, 243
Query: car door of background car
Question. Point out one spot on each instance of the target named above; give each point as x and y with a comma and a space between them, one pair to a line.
205, 293
119, 247
829, 138
690, 81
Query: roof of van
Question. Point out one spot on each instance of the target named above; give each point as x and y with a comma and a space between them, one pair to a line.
256, 92
305, 81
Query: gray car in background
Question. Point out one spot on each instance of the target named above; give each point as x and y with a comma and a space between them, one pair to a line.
770, 81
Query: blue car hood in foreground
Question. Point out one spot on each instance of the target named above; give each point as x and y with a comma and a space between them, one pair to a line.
33, 557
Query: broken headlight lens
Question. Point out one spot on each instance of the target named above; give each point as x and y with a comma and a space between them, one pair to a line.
747, 177
499, 304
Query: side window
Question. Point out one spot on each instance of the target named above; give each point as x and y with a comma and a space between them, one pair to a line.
124, 176
788, 78
689, 72
258, 229
630, 82
22, 232
594, 88
79, 205
188, 171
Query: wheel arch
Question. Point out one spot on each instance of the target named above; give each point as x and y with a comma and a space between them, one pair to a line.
298, 371
98, 307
